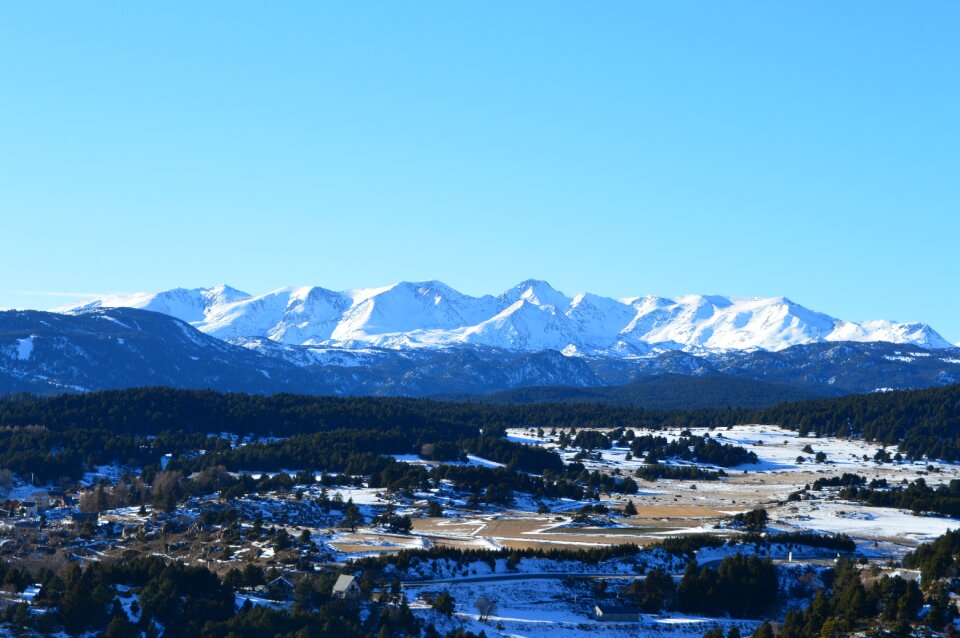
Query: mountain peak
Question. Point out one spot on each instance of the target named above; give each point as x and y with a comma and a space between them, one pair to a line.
222, 293
531, 316
537, 291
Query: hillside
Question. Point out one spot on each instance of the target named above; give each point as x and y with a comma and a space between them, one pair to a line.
670, 392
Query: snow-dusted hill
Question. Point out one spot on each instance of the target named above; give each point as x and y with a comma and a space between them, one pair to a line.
530, 317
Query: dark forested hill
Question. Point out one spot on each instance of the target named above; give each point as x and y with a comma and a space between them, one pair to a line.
151, 410
672, 392
839, 367
922, 422
47, 352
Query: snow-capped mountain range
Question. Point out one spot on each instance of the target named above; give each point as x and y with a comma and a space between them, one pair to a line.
532, 316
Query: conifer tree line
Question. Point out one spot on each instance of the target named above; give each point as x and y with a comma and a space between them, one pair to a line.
921, 422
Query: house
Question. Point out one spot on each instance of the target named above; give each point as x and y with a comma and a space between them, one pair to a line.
346, 588
43, 501
30, 508
280, 589
616, 613
57, 498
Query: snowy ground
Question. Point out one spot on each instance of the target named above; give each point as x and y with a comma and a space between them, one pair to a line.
542, 606
866, 522
776, 447
779, 473
546, 608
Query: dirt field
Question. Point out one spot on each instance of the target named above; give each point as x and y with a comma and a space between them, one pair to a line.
676, 512
533, 531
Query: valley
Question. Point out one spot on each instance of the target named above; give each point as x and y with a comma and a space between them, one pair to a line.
543, 547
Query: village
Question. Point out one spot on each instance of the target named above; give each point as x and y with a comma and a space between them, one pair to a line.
271, 545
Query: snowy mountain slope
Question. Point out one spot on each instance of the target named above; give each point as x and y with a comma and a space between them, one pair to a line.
410, 308
524, 325
722, 323
289, 315
530, 317
599, 321
881, 330
537, 292
187, 305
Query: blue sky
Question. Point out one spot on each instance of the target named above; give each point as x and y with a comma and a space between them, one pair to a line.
810, 150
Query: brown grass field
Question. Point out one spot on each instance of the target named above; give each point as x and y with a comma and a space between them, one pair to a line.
541, 531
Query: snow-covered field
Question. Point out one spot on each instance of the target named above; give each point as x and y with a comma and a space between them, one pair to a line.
532, 603
778, 473
550, 607
866, 522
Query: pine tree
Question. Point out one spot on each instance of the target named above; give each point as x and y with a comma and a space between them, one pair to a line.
121, 627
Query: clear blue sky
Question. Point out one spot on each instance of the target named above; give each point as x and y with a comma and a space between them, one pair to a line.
809, 149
